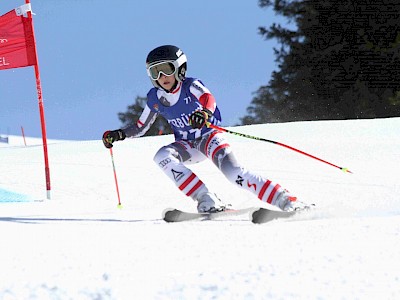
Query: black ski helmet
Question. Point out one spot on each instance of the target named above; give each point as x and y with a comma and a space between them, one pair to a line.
167, 53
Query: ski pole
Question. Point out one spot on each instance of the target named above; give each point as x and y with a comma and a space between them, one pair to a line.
276, 143
115, 178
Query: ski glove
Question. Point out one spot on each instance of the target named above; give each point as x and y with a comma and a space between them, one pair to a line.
199, 118
109, 137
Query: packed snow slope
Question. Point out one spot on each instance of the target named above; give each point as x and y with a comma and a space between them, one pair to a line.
79, 245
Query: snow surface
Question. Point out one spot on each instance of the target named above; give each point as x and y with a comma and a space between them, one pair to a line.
79, 245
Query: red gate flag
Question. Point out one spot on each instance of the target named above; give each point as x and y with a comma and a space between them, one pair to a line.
17, 43
18, 49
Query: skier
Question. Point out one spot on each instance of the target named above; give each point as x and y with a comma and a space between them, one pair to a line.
188, 106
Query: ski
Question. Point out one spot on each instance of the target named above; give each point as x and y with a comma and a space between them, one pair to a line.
264, 215
171, 215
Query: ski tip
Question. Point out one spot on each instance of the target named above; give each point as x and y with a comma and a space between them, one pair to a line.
256, 216
166, 211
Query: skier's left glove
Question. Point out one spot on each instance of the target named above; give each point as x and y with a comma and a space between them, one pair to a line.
109, 137
199, 118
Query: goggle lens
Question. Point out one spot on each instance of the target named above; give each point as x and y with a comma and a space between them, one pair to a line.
166, 68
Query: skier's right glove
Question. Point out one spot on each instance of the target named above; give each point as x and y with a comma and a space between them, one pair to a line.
109, 137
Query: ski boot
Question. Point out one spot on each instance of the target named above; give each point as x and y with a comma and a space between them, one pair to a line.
209, 203
288, 202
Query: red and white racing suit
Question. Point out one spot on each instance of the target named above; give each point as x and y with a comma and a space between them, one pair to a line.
195, 145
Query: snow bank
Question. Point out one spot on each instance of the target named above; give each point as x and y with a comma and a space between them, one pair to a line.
80, 246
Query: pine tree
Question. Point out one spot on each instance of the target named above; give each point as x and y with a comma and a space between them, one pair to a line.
342, 61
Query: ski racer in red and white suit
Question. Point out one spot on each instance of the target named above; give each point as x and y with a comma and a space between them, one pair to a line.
187, 105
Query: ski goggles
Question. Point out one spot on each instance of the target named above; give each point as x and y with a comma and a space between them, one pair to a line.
166, 67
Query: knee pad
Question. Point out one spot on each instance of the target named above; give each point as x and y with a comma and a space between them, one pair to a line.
166, 156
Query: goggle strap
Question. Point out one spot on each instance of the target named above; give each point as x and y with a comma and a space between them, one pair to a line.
181, 59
